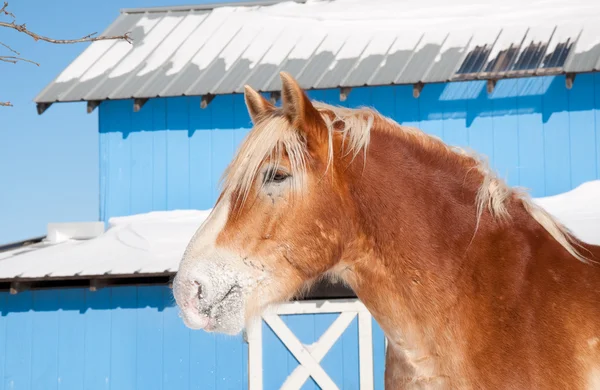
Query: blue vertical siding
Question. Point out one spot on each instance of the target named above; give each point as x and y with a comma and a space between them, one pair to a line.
115, 338
535, 133
171, 155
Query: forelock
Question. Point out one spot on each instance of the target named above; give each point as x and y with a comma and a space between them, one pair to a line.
273, 137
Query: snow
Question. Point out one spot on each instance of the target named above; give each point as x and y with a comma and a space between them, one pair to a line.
379, 45
170, 44
154, 242
261, 44
406, 42
147, 46
201, 35
578, 210
236, 47
116, 52
563, 33
145, 243
404, 19
588, 38
307, 45
240, 20
78, 67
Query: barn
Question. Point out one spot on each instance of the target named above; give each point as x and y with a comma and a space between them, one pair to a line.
90, 306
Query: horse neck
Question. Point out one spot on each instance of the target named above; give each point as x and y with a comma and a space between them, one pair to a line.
419, 243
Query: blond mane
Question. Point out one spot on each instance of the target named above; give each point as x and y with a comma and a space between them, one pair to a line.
273, 136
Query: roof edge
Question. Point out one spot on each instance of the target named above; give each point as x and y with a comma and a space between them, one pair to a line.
206, 7
21, 243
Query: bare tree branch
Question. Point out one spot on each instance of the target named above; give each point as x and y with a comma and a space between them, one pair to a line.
10, 48
88, 38
5, 12
22, 28
14, 60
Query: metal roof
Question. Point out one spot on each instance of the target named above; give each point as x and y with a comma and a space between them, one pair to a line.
199, 50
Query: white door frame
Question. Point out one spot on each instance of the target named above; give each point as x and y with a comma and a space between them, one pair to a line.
310, 356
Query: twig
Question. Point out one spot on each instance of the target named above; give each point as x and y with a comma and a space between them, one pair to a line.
14, 60
88, 38
10, 48
5, 12
6, 104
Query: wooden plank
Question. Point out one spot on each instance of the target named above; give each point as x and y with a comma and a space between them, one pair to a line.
319, 350
19, 325
549, 153
44, 339
318, 307
123, 337
365, 350
300, 352
97, 334
582, 133
178, 153
150, 332
255, 346
71, 338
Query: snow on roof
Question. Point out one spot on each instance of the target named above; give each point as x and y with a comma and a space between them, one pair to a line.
150, 243
578, 210
153, 243
198, 50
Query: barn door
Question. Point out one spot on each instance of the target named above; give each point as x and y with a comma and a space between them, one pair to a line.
309, 357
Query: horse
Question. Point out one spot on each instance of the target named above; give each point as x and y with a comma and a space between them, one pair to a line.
472, 283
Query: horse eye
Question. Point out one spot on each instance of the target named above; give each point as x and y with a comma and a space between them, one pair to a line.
277, 177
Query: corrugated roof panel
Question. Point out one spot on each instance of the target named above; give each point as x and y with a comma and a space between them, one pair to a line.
197, 65
167, 73
422, 58
322, 59
152, 65
297, 58
246, 65
225, 61
504, 52
134, 60
272, 61
533, 49
345, 60
398, 56
586, 54
560, 46
69, 77
140, 25
478, 51
370, 60
449, 57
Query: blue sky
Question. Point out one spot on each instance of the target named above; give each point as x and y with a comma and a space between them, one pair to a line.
49, 163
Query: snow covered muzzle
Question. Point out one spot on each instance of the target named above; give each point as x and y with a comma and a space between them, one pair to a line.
214, 283
211, 296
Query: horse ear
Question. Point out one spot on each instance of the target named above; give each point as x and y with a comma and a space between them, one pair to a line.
297, 107
256, 104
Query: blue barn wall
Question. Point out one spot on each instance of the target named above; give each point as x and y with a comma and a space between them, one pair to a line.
535, 133
114, 338
132, 338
